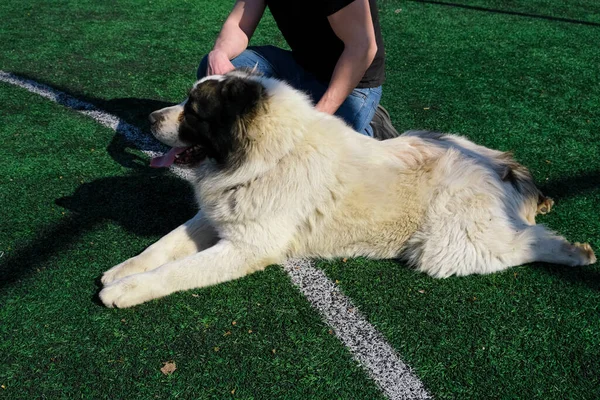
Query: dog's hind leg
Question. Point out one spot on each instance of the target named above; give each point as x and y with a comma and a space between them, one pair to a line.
543, 245
193, 236
463, 256
220, 263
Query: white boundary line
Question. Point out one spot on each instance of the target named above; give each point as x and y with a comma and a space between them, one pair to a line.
366, 344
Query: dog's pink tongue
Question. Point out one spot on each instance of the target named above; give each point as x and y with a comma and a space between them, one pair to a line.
167, 159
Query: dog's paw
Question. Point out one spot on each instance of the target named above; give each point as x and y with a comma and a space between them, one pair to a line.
112, 274
126, 268
586, 253
545, 206
131, 291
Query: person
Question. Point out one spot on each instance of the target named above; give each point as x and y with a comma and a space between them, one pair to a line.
337, 55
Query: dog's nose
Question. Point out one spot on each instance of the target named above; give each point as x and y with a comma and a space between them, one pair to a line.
153, 117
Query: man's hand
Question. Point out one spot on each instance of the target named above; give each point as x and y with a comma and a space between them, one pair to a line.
218, 63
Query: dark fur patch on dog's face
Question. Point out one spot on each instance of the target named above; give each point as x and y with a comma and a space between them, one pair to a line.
216, 116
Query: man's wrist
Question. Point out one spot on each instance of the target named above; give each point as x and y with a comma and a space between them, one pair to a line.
328, 104
218, 52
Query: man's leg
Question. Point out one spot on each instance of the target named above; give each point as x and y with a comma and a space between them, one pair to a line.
362, 111
359, 108
382, 125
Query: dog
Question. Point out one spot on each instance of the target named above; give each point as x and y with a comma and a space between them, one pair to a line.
276, 179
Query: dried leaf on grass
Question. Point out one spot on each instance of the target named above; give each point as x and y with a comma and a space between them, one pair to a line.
168, 368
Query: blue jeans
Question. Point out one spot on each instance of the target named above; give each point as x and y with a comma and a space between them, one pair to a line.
358, 108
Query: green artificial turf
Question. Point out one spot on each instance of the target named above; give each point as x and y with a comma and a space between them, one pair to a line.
76, 199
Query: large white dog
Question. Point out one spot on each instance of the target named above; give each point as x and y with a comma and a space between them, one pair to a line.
275, 179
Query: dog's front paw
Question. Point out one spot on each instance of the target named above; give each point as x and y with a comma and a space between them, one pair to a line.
126, 268
131, 291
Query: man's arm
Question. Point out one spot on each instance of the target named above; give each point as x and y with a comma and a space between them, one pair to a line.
354, 26
235, 35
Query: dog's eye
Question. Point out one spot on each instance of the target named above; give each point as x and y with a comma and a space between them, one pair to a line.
190, 116
187, 109
193, 111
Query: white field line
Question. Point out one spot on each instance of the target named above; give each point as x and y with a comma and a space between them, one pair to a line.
130, 132
366, 344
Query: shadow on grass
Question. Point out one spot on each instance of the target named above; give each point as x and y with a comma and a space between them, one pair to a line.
132, 112
517, 13
148, 204
583, 276
571, 186
132, 128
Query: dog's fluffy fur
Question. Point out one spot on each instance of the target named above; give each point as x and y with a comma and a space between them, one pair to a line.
275, 179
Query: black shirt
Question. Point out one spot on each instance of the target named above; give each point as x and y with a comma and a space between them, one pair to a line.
315, 46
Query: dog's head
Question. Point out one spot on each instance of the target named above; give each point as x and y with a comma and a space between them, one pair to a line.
211, 122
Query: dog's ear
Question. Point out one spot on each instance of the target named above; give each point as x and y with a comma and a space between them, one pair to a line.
241, 95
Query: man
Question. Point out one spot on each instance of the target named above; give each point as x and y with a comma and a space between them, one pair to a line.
337, 55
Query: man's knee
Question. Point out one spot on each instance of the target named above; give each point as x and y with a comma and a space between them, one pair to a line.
250, 58
261, 57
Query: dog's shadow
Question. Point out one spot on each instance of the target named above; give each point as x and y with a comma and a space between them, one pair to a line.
148, 203
144, 204
587, 276
132, 112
